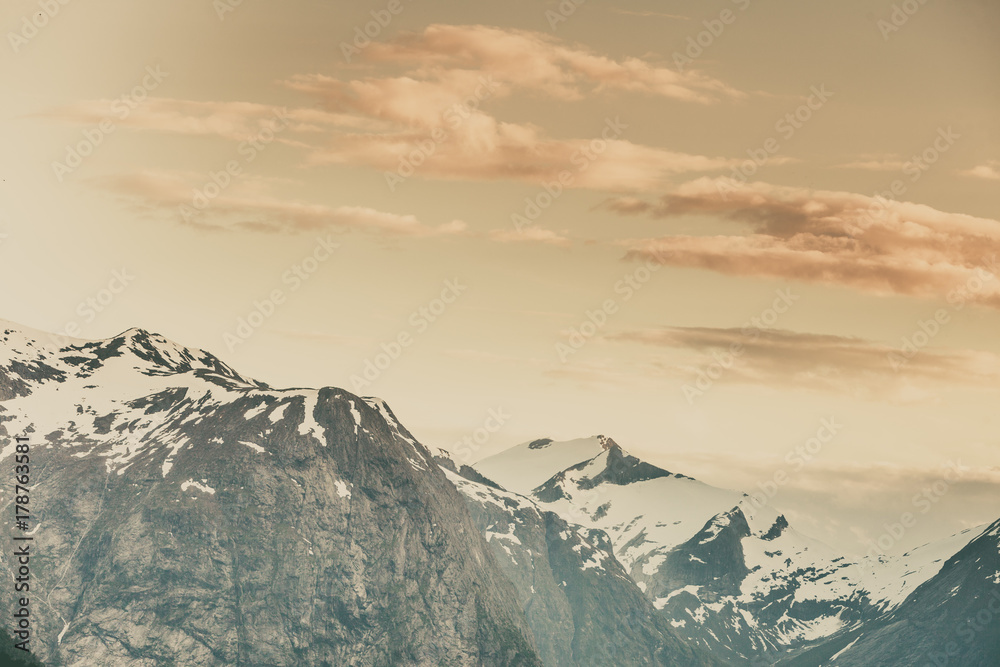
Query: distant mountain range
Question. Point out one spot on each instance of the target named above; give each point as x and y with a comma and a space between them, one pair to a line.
184, 514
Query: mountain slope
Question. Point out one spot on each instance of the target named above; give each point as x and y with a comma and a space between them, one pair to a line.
729, 576
951, 619
581, 605
185, 514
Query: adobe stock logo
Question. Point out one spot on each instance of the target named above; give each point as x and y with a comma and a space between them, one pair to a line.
121, 109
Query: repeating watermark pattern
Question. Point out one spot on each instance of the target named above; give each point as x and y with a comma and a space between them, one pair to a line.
786, 127
223, 7
581, 159
33, 23
967, 631
294, 278
595, 320
219, 181
121, 109
797, 459
724, 360
89, 308
899, 16
696, 45
923, 502
915, 168
364, 36
419, 321
928, 329
466, 448
454, 116
562, 12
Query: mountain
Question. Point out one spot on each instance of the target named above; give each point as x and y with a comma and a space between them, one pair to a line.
951, 619
729, 576
580, 603
183, 514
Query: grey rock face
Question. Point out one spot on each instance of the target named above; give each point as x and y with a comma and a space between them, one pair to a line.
581, 605
951, 619
189, 516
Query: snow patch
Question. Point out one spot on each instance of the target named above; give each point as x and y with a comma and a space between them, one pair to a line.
843, 650
204, 488
356, 415
253, 412
652, 566
309, 425
256, 448
342, 489
62, 634
278, 413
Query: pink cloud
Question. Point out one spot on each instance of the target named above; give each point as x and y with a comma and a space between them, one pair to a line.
836, 238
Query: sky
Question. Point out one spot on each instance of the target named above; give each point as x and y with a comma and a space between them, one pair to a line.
749, 241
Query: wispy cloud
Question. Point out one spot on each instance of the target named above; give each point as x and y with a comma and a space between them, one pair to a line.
540, 62
835, 238
531, 235
236, 121
787, 359
876, 163
989, 171
247, 207
648, 14
423, 97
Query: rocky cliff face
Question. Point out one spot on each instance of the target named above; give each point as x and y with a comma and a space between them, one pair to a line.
581, 605
186, 515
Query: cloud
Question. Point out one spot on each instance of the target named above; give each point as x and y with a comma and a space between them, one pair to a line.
430, 118
540, 62
787, 359
247, 206
834, 238
530, 234
876, 163
437, 128
438, 125
644, 14
989, 171
236, 121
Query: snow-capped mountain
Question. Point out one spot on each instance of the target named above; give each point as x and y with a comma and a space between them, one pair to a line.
581, 605
952, 618
183, 514
728, 575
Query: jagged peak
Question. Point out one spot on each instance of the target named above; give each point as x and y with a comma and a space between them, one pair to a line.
161, 355
607, 443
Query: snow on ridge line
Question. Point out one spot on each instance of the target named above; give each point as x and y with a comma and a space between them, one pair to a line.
523, 467
383, 409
